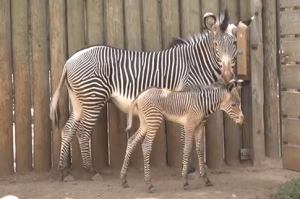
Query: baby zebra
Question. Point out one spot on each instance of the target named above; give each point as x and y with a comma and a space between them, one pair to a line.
190, 108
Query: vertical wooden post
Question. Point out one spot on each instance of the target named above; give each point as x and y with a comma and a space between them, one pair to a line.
117, 120
40, 84
258, 139
271, 104
22, 86
75, 18
152, 42
170, 29
246, 90
191, 20
133, 33
95, 35
6, 99
214, 128
232, 132
58, 56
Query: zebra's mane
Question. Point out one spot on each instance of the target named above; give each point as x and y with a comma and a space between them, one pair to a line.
218, 84
191, 39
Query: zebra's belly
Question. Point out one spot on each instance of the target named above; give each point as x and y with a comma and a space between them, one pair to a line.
121, 102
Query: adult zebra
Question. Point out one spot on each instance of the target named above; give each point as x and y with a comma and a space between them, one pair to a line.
99, 73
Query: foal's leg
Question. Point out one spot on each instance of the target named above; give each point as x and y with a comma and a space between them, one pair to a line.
199, 140
131, 145
153, 119
187, 153
191, 168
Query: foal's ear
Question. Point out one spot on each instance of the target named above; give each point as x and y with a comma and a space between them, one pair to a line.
210, 21
231, 85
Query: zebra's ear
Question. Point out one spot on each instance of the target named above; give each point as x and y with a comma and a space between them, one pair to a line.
245, 22
210, 21
231, 85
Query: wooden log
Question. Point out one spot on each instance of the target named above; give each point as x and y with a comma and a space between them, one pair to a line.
117, 120
257, 58
191, 20
152, 42
76, 41
170, 29
214, 128
6, 99
232, 132
40, 84
95, 36
246, 90
271, 104
191, 17
22, 88
58, 56
133, 33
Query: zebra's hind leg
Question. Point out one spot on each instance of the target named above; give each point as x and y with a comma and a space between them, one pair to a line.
131, 145
68, 134
199, 140
87, 123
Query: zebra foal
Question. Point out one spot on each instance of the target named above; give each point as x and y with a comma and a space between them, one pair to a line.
190, 108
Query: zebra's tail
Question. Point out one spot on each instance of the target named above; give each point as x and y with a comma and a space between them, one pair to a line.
54, 102
130, 114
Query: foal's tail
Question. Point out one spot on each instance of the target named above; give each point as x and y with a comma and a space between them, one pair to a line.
130, 114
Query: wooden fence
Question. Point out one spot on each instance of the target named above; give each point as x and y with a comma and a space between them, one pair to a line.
37, 37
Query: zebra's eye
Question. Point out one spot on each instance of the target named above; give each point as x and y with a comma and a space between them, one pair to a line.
233, 104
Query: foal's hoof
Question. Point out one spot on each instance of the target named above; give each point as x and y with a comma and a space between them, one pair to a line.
125, 185
152, 189
208, 184
68, 178
96, 177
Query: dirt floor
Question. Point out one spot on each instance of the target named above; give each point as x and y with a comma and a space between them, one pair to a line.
229, 182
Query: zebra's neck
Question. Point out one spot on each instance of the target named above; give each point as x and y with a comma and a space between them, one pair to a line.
210, 99
203, 62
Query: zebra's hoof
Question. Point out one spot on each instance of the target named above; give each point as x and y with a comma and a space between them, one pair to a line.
209, 184
96, 177
68, 178
191, 169
186, 186
152, 189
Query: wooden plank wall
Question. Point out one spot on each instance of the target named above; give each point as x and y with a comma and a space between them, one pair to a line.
290, 89
58, 28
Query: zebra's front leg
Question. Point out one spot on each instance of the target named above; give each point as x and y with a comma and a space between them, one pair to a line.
186, 156
84, 142
199, 141
131, 145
